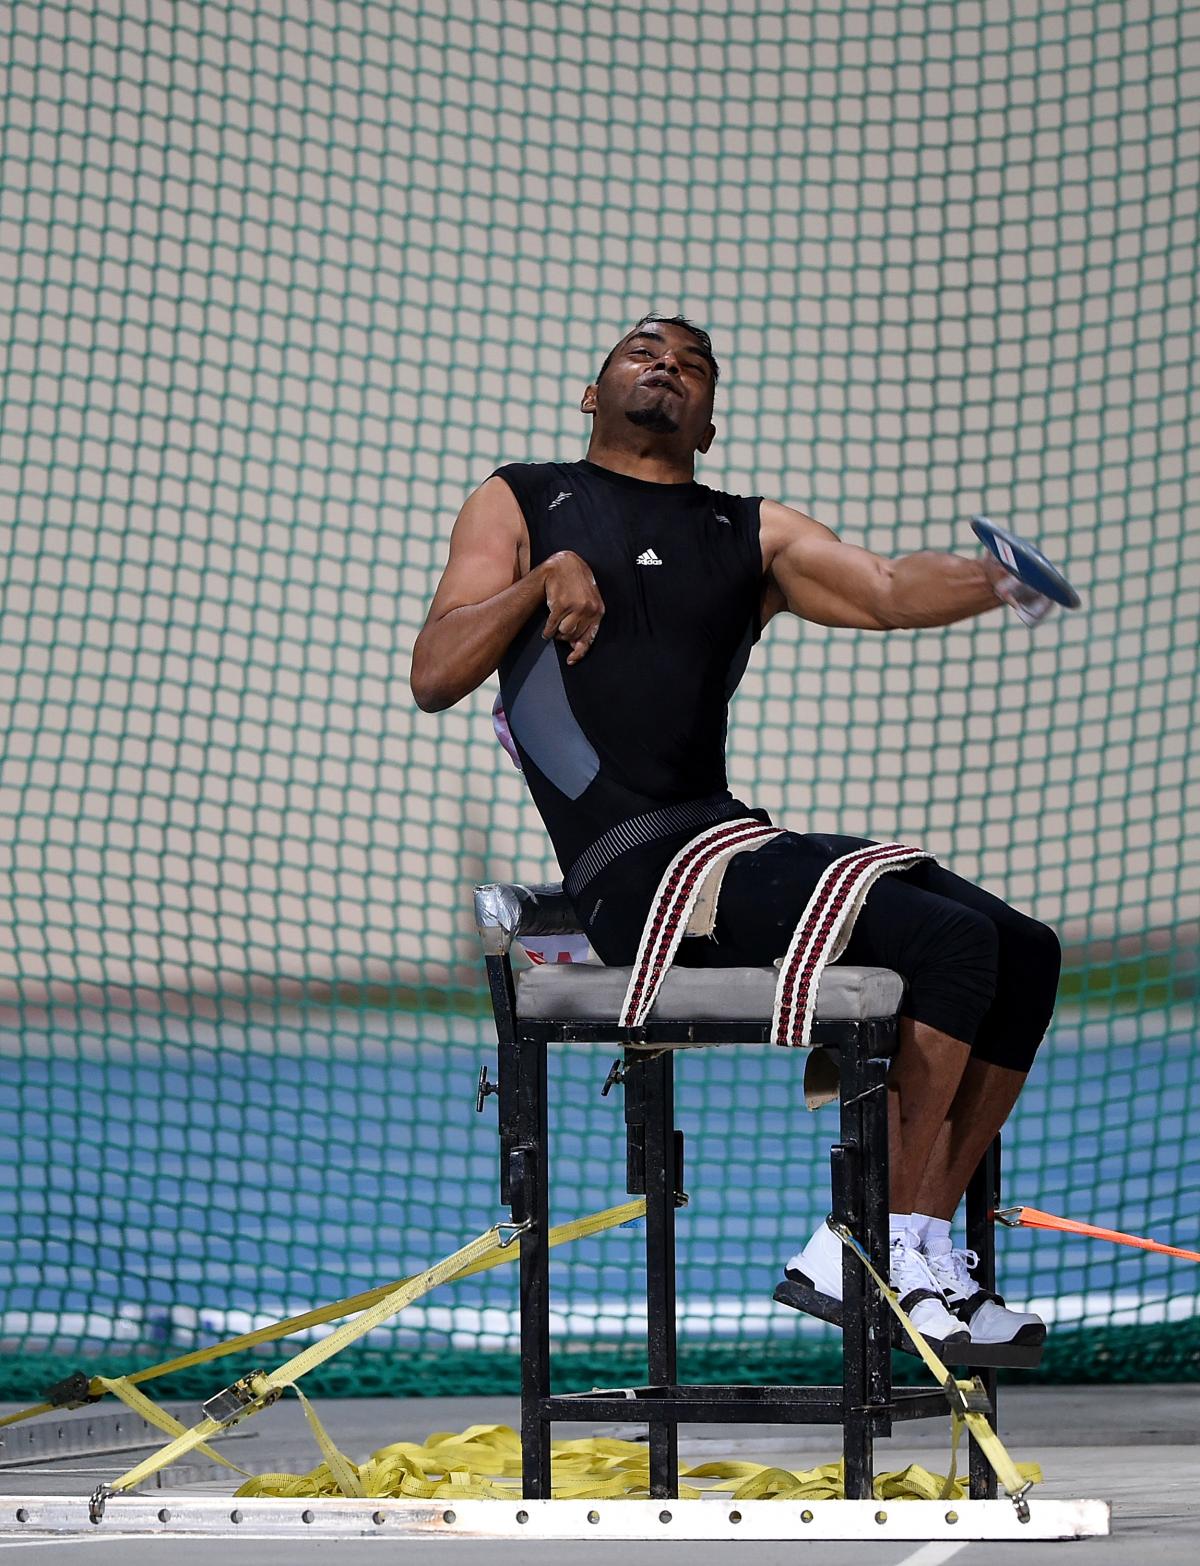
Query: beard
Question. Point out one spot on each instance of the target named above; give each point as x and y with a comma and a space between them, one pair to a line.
655, 418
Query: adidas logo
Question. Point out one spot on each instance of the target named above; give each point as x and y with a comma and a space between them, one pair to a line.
721, 517
564, 494
648, 557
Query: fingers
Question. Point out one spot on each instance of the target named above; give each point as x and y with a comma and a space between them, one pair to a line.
1030, 605
578, 627
554, 619
574, 605
581, 646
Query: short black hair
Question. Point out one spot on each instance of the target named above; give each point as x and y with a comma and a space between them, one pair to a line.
697, 332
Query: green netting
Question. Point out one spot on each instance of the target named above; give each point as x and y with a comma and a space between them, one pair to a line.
281, 283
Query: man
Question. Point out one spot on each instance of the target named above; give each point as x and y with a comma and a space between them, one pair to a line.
620, 600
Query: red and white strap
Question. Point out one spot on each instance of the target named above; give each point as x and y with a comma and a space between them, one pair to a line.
685, 878
824, 929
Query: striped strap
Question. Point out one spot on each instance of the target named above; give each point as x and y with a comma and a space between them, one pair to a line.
824, 930
686, 877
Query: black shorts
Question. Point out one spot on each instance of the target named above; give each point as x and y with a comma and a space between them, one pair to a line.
973, 967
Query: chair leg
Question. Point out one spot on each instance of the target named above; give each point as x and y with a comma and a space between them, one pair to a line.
983, 1197
661, 1185
849, 1208
876, 1238
529, 1180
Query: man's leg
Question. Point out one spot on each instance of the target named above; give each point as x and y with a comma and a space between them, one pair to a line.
922, 1082
1028, 963
926, 1079
983, 1102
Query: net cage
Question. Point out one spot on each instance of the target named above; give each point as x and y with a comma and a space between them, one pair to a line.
280, 284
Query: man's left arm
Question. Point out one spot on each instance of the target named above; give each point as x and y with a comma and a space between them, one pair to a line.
810, 571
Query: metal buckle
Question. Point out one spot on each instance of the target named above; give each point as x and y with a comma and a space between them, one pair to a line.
967, 1397
99, 1499
232, 1402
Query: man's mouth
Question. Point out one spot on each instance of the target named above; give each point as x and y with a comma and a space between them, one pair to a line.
658, 379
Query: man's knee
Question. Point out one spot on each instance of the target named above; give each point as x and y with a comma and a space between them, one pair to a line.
952, 981
1030, 963
1027, 986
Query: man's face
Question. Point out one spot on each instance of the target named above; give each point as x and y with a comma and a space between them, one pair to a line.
658, 380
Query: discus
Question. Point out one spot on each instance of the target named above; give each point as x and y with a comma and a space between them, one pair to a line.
1026, 562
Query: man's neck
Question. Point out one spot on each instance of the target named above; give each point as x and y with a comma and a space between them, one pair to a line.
644, 460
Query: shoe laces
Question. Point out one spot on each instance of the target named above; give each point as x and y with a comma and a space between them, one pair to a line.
953, 1271
910, 1269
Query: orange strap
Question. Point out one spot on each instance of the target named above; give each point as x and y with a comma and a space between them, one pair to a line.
1032, 1218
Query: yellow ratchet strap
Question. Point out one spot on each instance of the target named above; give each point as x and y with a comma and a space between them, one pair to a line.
485, 1462
259, 1389
98, 1386
964, 1397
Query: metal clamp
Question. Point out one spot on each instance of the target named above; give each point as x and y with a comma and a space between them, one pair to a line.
231, 1403
616, 1074
72, 1391
1005, 1216
98, 1501
509, 1232
1017, 1497
485, 1088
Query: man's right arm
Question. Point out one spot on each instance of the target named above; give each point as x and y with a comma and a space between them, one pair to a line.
487, 593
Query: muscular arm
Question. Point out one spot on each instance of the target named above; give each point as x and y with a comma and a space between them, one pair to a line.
810, 571
487, 593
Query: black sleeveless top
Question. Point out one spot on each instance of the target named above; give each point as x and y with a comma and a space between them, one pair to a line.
627, 747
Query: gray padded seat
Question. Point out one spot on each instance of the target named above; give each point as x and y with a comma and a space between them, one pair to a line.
586, 992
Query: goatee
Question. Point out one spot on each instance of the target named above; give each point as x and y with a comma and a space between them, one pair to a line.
656, 419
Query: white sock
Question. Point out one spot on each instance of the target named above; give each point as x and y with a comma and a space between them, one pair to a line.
899, 1224
934, 1233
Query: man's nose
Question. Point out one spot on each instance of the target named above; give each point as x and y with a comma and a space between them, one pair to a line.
668, 364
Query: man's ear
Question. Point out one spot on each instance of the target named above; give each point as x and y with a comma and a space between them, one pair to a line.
588, 403
707, 438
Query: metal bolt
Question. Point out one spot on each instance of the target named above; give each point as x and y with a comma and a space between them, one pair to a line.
378, 1519
235, 1517
449, 1517
806, 1517
307, 1517
22, 1514
664, 1517
593, 1517
735, 1517
164, 1515
951, 1517
881, 1517
522, 1517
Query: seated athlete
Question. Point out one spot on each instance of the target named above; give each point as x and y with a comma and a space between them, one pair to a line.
620, 601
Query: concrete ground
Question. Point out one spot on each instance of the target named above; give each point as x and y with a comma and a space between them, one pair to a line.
1137, 1447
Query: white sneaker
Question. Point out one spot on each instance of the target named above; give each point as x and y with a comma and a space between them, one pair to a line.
994, 1327
813, 1283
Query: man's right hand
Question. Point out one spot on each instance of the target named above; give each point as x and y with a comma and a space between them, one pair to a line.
488, 593
574, 603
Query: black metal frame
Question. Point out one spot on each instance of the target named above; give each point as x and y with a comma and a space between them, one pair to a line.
866, 1404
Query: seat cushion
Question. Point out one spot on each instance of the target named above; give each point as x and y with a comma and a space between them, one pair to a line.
579, 992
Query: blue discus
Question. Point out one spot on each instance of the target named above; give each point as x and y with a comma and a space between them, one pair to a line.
1026, 563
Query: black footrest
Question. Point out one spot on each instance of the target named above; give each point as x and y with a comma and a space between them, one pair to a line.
754, 1405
